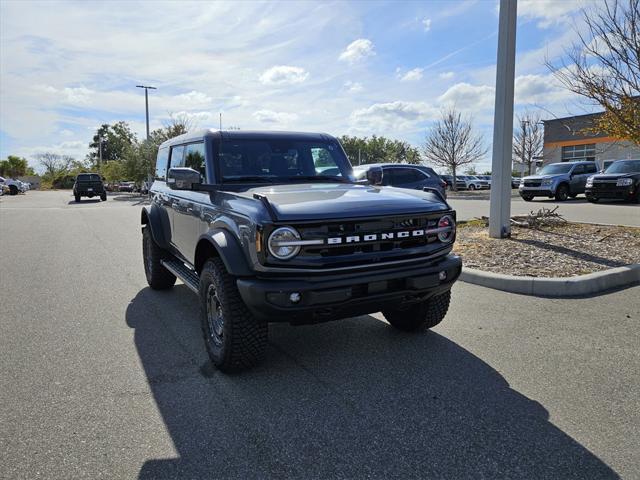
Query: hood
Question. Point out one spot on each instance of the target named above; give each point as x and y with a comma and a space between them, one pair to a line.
544, 177
613, 176
315, 201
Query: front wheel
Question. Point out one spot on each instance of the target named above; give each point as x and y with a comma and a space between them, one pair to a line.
421, 316
77, 198
472, 187
592, 199
103, 197
235, 340
158, 277
562, 193
13, 190
527, 197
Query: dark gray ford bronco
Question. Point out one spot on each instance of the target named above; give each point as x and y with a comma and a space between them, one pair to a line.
273, 227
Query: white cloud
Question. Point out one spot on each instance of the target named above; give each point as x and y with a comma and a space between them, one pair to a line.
426, 23
540, 89
466, 96
284, 75
396, 116
548, 12
447, 75
358, 50
353, 87
274, 118
412, 75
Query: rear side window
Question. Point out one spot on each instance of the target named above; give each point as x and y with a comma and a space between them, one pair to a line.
194, 158
161, 163
177, 156
402, 176
578, 170
590, 168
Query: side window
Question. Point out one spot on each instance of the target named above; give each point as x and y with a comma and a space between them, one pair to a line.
194, 158
407, 175
591, 168
177, 154
578, 170
161, 163
388, 176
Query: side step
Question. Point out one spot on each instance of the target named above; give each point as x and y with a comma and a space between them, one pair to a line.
184, 273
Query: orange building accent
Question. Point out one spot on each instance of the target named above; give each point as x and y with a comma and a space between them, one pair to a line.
584, 141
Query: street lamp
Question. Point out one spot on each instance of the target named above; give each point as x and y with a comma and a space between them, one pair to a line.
146, 102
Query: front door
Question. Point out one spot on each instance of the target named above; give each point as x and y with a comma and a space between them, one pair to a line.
187, 204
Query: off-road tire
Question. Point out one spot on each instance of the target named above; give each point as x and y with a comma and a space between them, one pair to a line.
77, 198
527, 197
13, 190
158, 277
103, 197
421, 316
243, 342
562, 192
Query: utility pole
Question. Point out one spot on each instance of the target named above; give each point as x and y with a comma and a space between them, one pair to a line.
500, 207
146, 103
523, 125
220, 121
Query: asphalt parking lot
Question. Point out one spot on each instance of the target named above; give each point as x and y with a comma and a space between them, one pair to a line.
104, 378
576, 210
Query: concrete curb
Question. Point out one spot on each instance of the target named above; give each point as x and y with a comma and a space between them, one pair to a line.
556, 287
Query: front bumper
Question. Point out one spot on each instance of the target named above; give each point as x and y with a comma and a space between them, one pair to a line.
340, 296
541, 191
610, 191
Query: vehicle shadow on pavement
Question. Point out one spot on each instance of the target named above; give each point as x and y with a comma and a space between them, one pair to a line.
348, 399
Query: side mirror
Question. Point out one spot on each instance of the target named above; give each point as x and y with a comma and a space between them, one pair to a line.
374, 175
182, 178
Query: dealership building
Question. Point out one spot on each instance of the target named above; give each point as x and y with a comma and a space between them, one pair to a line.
575, 139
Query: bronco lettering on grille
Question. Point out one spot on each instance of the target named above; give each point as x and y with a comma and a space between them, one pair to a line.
372, 237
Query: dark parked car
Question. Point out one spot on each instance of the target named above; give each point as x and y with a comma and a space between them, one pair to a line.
248, 223
403, 175
127, 186
89, 185
448, 179
620, 180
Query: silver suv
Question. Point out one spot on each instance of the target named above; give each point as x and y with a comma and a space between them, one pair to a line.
559, 180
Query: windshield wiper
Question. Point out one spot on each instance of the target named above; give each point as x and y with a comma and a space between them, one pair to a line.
319, 178
250, 178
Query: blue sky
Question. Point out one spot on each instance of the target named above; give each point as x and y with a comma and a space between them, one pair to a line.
358, 68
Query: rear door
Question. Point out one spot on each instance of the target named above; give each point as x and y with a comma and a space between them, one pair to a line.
578, 179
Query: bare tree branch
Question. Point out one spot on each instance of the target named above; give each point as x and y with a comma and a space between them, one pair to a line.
451, 143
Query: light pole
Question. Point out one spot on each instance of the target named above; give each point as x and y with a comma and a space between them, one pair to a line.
146, 102
101, 140
500, 203
524, 124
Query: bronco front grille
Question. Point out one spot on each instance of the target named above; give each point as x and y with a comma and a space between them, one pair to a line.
380, 249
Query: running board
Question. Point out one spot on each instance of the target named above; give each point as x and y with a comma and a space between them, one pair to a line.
184, 273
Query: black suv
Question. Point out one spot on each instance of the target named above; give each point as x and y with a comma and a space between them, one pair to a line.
404, 175
253, 223
89, 185
621, 180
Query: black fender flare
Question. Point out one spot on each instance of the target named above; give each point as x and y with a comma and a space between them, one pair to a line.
158, 220
227, 248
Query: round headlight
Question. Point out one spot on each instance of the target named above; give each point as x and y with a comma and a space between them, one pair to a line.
446, 222
283, 243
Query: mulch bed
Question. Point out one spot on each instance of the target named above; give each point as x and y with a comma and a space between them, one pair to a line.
558, 250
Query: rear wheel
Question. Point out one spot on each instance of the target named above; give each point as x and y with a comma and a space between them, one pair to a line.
562, 192
421, 316
234, 338
158, 277
103, 197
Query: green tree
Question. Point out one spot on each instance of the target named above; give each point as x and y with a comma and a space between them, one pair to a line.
116, 139
15, 166
363, 150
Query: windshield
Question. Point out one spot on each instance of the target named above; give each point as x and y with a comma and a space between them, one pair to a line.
282, 160
556, 168
626, 166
